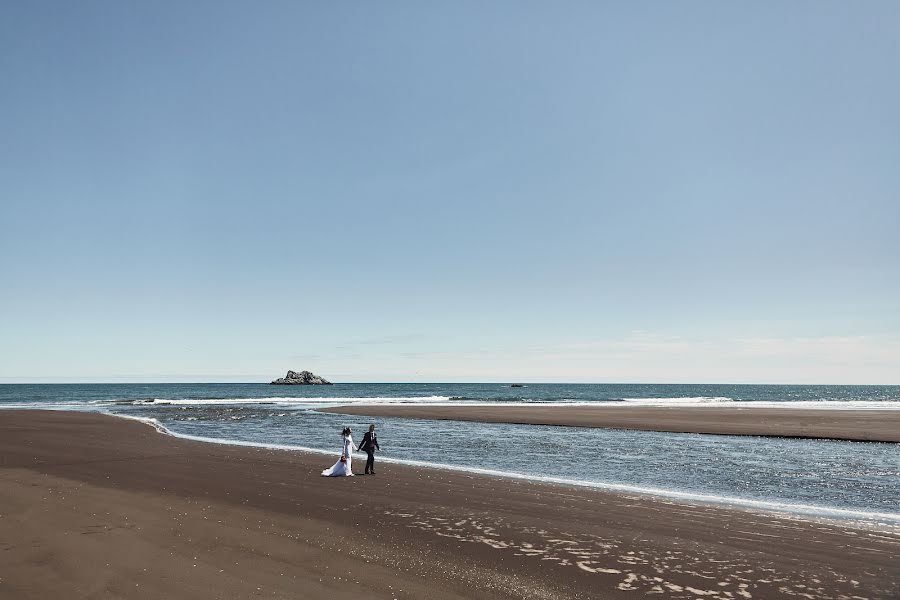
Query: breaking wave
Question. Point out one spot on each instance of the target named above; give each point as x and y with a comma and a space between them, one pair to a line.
283, 401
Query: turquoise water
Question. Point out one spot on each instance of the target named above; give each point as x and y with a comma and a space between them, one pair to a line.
846, 480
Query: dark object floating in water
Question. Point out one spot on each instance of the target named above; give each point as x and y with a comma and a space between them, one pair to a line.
516, 385
301, 378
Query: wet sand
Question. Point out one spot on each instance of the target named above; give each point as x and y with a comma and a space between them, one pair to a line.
855, 425
97, 507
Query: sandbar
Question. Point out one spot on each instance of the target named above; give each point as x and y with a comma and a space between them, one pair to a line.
838, 424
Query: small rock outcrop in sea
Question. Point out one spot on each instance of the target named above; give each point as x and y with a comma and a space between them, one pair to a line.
301, 378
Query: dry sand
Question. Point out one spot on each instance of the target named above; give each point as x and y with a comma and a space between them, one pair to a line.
839, 424
97, 507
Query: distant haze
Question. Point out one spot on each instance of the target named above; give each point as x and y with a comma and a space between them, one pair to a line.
507, 191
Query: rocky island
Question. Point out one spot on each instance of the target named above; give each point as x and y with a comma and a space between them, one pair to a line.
301, 378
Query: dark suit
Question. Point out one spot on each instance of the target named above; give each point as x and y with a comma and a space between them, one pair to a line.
368, 445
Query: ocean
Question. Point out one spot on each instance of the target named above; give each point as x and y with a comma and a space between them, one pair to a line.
827, 479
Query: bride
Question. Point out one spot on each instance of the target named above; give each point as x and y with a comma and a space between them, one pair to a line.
343, 467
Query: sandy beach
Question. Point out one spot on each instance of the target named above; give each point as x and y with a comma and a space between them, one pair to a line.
93, 506
856, 425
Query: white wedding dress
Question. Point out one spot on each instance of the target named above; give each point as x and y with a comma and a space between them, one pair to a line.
343, 469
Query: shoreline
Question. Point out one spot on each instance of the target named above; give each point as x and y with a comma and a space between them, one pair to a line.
808, 512
98, 506
831, 424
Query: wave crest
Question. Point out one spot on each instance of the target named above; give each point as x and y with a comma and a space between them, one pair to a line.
680, 400
283, 401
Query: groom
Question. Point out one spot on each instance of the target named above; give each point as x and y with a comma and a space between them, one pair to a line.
369, 444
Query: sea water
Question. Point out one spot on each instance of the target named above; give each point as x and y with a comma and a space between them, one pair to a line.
823, 478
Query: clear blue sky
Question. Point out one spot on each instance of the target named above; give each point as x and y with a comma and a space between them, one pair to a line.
466, 191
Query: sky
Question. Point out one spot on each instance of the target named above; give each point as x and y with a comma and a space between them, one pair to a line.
465, 191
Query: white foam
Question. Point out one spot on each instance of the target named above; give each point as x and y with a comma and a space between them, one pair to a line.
288, 401
681, 400
445, 401
640, 402
816, 404
891, 520
751, 404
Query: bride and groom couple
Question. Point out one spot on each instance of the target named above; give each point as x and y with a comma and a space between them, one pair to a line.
343, 467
